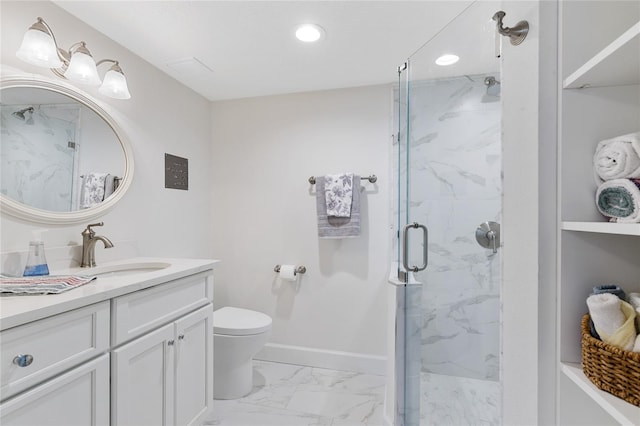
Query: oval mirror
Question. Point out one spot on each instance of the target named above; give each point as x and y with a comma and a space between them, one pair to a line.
63, 158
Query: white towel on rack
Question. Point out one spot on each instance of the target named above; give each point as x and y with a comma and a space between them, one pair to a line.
617, 158
338, 192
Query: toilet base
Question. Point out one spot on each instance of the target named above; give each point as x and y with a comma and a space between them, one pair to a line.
233, 383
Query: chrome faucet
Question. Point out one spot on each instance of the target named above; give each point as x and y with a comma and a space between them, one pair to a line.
89, 240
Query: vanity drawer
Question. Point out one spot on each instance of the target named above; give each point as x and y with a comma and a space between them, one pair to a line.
137, 313
52, 345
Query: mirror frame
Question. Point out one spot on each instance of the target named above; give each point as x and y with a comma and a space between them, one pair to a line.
22, 211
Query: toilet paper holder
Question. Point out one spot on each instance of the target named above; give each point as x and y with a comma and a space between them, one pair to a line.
299, 269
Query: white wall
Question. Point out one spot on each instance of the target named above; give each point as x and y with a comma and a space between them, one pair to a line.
162, 116
528, 306
265, 149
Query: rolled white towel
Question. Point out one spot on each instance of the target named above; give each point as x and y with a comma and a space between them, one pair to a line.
634, 300
618, 158
636, 347
619, 200
605, 313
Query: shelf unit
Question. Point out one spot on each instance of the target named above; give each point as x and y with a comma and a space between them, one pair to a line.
599, 98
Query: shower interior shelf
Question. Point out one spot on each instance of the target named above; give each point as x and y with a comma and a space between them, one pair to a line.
618, 64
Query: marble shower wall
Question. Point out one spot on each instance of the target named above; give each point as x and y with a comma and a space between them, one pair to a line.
38, 165
455, 166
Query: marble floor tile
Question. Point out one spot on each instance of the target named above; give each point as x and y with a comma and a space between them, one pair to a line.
451, 400
291, 395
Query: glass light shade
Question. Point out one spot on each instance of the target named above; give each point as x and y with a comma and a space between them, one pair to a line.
82, 69
115, 85
38, 48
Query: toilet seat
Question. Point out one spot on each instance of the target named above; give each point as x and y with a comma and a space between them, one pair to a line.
232, 321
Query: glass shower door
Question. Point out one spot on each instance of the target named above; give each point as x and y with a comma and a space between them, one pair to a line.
449, 181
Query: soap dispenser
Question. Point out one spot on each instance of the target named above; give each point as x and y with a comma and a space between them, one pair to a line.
36, 261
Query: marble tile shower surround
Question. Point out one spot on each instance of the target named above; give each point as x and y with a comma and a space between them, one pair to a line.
38, 167
455, 162
292, 395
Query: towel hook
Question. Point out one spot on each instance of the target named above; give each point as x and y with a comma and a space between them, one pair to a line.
516, 34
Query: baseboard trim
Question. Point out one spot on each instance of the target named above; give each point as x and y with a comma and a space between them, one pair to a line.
322, 358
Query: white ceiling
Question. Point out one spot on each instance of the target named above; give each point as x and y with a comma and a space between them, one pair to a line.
251, 51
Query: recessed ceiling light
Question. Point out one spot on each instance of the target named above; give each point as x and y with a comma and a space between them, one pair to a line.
447, 60
309, 33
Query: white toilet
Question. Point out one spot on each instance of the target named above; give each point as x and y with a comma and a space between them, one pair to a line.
238, 334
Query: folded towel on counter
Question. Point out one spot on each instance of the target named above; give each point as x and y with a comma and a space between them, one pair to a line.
338, 190
92, 189
50, 284
337, 227
619, 199
618, 158
613, 319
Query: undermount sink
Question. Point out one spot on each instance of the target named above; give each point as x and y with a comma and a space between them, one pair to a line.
124, 269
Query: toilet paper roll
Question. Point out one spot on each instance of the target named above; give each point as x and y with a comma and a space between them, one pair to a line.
288, 272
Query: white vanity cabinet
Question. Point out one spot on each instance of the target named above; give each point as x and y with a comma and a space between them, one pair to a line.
163, 377
66, 356
134, 350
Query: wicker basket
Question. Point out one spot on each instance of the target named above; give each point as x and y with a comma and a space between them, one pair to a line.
611, 369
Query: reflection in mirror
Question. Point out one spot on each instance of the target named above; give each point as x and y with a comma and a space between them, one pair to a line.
56, 153
62, 157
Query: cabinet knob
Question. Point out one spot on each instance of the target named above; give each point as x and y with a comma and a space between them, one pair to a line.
23, 360
171, 342
181, 337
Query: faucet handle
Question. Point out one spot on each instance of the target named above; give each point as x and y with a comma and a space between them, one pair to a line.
91, 231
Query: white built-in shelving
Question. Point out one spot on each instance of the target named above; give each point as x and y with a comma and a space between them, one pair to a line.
599, 99
618, 64
623, 412
603, 227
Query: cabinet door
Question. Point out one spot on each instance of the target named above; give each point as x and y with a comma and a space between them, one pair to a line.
194, 366
142, 386
79, 397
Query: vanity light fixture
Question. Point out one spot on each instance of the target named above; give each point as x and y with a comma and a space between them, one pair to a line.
447, 59
39, 48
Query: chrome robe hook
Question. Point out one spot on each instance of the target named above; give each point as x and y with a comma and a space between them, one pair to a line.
516, 34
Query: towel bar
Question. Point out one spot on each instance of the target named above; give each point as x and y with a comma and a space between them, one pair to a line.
372, 179
299, 269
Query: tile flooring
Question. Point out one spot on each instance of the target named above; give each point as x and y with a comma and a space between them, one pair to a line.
292, 395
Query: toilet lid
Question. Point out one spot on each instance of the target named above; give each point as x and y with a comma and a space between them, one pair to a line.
239, 322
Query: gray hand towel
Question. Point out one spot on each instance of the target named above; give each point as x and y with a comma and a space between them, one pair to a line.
338, 227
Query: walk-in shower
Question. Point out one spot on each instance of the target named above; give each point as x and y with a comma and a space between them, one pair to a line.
449, 189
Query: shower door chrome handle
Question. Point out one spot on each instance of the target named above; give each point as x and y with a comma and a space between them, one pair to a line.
405, 252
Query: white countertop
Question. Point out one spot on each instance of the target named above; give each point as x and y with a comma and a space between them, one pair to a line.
19, 309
